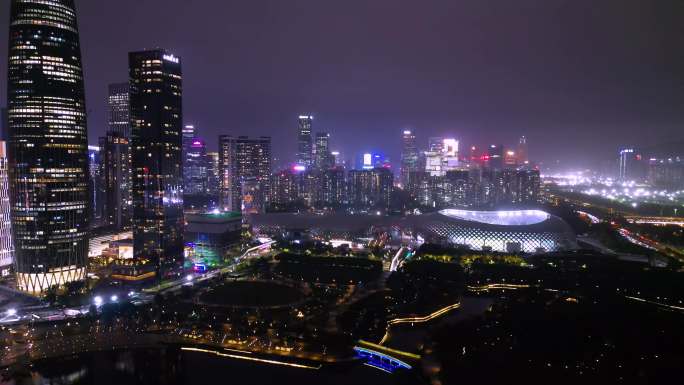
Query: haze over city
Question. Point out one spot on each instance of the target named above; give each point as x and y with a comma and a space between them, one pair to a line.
574, 77
341, 192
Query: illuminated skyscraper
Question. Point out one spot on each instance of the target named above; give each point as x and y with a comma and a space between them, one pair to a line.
6, 243
244, 168
305, 141
119, 114
195, 168
156, 117
409, 156
48, 148
323, 158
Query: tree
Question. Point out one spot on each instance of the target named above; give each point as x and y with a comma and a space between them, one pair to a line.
51, 295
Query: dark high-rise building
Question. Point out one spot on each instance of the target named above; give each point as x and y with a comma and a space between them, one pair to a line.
116, 180
333, 187
409, 156
4, 124
495, 156
189, 136
116, 157
285, 187
119, 114
323, 158
156, 119
48, 149
666, 173
244, 161
370, 188
523, 155
631, 165
305, 141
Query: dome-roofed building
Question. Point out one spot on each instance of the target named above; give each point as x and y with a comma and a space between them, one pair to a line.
505, 231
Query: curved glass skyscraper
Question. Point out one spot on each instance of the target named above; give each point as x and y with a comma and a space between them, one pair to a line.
48, 144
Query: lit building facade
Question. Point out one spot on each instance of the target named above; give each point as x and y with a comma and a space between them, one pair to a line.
244, 160
305, 141
156, 117
48, 144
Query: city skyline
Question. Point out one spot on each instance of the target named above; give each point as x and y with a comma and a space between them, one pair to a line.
555, 88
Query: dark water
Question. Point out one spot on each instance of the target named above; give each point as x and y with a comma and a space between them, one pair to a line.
174, 367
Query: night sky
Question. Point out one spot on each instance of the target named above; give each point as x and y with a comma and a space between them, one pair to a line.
579, 78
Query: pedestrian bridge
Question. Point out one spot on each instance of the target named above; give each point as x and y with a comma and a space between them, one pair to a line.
383, 358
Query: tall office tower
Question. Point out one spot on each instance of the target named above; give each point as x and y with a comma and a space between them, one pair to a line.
195, 168
156, 135
96, 186
6, 243
523, 154
323, 157
48, 146
119, 114
213, 180
305, 141
244, 166
370, 188
116, 180
409, 156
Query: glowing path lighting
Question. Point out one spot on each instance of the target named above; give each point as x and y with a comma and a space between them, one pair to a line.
262, 360
427, 318
98, 301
